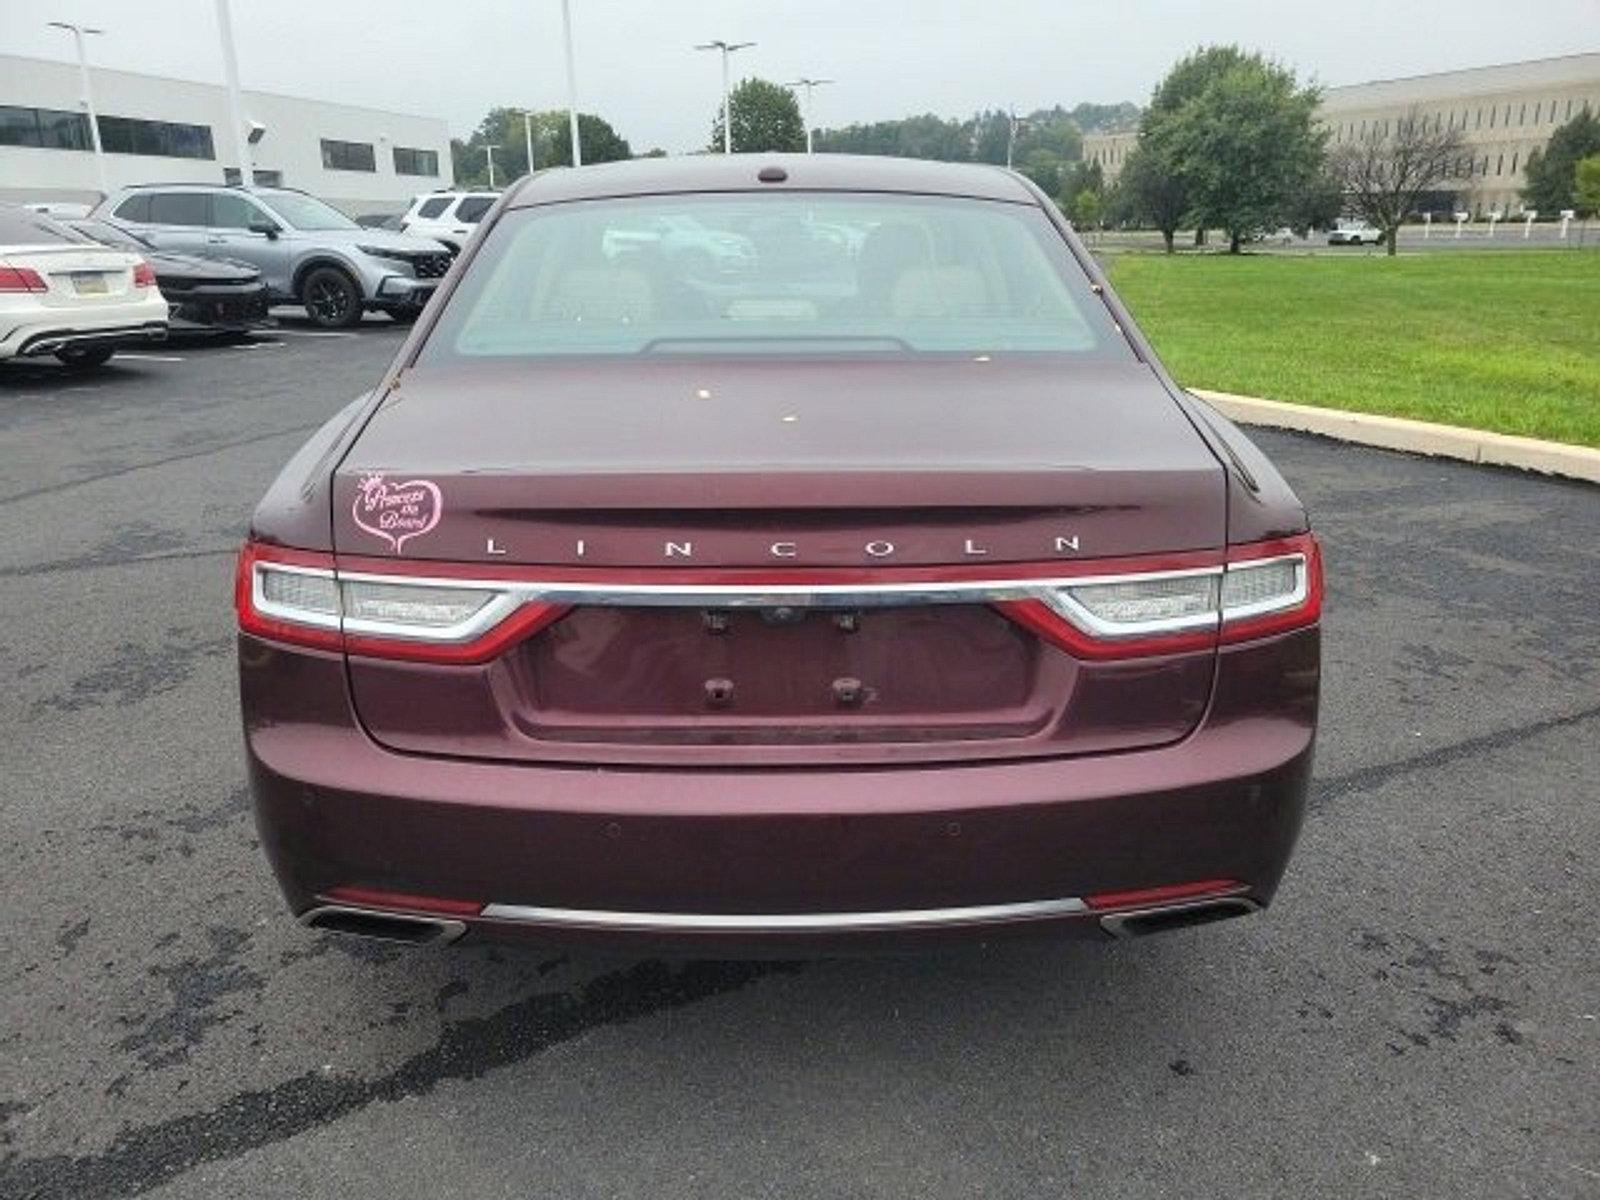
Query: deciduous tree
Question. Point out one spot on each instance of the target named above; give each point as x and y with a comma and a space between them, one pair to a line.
1244, 138
766, 117
1383, 171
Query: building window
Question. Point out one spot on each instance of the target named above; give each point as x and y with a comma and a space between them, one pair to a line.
415, 162
155, 139
263, 177
348, 156
50, 128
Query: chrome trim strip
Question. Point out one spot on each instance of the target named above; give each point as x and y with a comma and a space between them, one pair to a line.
783, 922
511, 594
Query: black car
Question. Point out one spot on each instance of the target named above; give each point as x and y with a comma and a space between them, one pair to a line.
205, 295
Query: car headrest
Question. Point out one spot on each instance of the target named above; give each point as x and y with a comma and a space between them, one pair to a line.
602, 294
941, 292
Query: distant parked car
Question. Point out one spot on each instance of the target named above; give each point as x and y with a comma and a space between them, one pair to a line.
62, 295
1354, 233
381, 221
448, 217
307, 251
204, 295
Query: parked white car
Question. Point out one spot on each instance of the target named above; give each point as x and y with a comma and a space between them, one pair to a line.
62, 294
448, 217
1354, 233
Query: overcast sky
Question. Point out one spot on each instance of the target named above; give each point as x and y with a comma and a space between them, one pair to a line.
457, 58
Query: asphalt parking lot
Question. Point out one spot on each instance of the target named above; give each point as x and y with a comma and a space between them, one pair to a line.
1418, 1015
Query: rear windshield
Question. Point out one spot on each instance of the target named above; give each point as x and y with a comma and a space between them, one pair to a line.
780, 274
24, 227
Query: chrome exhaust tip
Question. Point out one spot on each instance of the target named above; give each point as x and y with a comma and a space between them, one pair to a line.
1141, 922
383, 926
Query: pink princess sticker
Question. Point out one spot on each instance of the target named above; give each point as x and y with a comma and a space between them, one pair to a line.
397, 512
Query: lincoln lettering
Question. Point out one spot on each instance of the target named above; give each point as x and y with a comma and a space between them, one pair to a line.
877, 548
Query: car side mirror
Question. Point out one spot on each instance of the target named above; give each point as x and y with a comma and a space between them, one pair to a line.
267, 227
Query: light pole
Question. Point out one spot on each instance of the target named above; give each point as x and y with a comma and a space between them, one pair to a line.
488, 153
230, 69
572, 83
78, 32
805, 114
1013, 128
527, 134
726, 48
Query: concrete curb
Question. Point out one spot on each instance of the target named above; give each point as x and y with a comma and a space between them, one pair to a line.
1415, 437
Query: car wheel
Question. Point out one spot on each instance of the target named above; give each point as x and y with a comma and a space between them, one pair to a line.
85, 358
331, 298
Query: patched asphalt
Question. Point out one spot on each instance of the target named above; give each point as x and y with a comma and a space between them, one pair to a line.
1418, 1015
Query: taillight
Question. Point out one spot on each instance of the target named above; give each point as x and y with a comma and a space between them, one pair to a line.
144, 275
1262, 588
21, 279
301, 597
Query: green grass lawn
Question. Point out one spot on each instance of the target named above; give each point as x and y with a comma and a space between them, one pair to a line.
1503, 340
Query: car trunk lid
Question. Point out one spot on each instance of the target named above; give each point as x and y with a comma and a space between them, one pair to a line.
655, 471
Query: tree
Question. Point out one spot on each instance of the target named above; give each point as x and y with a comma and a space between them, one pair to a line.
1154, 188
1586, 189
766, 117
503, 129
1550, 171
1586, 185
1243, 136
1383, 171
1086, 209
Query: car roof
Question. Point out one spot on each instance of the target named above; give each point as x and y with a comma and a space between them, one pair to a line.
738, 172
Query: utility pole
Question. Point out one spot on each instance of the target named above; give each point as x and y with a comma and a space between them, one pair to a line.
572, 83
726, 48
78, 33
805, 104
230, 69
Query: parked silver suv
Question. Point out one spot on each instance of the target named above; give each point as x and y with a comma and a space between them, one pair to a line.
307, 251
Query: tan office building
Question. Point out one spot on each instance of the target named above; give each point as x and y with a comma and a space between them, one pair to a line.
1504, 113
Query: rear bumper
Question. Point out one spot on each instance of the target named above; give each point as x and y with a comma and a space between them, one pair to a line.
34, 341
780, 860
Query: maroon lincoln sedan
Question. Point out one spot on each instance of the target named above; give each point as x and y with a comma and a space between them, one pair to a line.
770, 554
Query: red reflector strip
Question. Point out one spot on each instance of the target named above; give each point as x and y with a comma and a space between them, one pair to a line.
403, 901
1039, 618
1143, 897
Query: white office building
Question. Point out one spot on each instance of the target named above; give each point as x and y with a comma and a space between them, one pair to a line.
176, 131
1503, 113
